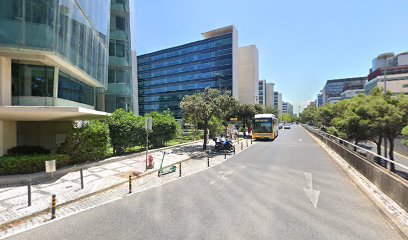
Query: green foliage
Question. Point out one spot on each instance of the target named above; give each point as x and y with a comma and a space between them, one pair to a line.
125, 130
285, 117
215, 127
165, 128
246, 114
309, 115
23, 164
87, 141
272, 110
27, 150
202, 106
259, 108
404, 133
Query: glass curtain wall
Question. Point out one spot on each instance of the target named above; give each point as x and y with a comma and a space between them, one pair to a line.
119, 93
76, 33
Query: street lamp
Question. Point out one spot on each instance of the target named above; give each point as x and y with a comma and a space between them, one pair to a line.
385, 56
220, 78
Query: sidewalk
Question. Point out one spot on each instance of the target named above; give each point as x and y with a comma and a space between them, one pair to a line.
13, 200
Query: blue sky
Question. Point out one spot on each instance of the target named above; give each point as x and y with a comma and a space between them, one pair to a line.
301, 43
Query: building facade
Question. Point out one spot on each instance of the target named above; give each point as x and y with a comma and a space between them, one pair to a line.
266, 93
54, 58
262, 95
248, 74
395, 74
287, 108
333, 88
277, 101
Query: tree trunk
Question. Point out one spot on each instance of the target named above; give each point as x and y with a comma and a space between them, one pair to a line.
355, 143
378, 144
205, 134
391, 153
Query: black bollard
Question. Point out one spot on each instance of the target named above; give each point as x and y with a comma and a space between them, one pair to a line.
179, 169
130, 183
53, 206
29, 192
82, 178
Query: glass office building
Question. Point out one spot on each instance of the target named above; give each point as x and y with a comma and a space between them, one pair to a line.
166, 76
61, 60
334, 87
119, 92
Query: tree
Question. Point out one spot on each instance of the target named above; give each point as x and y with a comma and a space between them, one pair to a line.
404, 133
259, 108
285, 117
164, 128
246, 114
204, 105
87, 141
126, 130
309, 115
272, 110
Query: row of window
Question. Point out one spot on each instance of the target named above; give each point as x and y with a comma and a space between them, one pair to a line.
187, 68
174, 53
119, 75
196, 57
187, 77
181, 87
71, 89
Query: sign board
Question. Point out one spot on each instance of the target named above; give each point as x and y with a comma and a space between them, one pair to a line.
149, 123
233, 119
50, 166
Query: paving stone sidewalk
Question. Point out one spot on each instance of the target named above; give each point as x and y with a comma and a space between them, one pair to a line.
197, 162
13, 200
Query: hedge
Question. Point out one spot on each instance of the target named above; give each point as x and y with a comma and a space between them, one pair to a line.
22, 164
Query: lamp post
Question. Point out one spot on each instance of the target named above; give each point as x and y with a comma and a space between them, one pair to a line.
385, 56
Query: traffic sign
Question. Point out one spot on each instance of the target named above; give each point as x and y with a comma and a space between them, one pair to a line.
149, 123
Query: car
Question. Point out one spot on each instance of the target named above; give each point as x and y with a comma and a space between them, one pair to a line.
280, 126
286, 126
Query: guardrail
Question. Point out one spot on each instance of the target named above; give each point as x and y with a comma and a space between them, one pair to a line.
370, 155
369, 164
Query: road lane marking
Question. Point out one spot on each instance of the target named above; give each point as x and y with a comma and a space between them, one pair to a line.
312, 194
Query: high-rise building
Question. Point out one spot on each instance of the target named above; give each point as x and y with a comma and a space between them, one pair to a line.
277, 101
287, 108
166, 76
54, 58
333, 88
396, 74
120, 92
266, 93
248, 74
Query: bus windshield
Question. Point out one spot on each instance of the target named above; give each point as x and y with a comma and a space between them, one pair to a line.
262, 125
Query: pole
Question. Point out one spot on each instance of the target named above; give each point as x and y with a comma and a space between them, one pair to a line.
208, 159
82, 178
179, 169
147, 145
29, 192
225, 154
385, 93
53, 206
242, 146
130, 184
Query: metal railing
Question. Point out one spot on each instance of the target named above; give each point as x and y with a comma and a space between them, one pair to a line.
368, 154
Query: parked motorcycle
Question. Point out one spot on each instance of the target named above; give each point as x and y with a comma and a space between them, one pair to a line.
220, 146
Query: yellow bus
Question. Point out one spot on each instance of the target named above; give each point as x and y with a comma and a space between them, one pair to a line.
265, 126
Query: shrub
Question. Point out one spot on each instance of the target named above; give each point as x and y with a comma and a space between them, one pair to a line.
88, 141
125, 130
165, 128
27, 150
21, 164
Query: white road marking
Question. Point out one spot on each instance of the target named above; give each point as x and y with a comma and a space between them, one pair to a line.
312, 194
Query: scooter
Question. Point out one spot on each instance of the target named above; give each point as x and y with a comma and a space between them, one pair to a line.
220, 146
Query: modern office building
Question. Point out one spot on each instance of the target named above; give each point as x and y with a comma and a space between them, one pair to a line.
349, 94
396, 73
319, 100
120, 85
277, 101
166, 76
53, 67
287, 108
248, 74
333, 88
266, 93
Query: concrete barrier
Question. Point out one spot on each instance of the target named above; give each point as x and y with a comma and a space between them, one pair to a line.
391, 184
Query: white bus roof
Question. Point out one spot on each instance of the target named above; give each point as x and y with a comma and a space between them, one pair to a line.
265, 115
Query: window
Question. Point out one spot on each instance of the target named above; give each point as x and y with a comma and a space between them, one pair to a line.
405, 85
71, 89
120, 50
120, 23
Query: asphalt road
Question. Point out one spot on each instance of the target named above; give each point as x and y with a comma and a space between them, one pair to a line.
259, 194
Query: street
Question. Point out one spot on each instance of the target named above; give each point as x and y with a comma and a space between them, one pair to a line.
286, 189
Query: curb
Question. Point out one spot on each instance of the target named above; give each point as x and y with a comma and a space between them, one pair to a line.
21, 179
395, 224
7, 225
